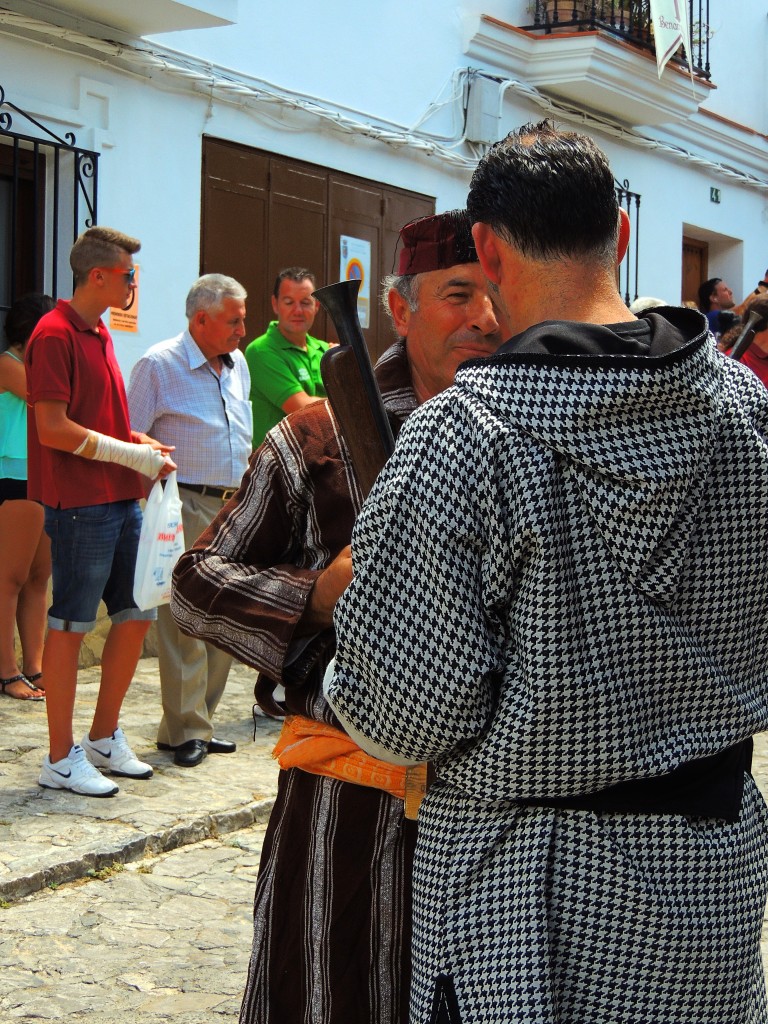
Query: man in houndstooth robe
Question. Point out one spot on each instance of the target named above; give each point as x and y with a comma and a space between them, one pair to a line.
559, 597
332, 906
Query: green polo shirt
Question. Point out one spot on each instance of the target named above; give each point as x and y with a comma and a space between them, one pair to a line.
280, 369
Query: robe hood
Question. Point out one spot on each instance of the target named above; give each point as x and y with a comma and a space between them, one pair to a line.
637, 438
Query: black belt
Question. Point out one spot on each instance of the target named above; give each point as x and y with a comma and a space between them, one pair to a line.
225, 493
709, 787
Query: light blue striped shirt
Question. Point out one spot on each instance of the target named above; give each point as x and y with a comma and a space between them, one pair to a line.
175, 396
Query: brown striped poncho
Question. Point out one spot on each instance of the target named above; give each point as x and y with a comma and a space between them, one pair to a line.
332, 905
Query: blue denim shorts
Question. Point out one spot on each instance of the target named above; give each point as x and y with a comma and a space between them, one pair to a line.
93, 556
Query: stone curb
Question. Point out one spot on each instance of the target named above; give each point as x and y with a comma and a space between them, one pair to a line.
207, 826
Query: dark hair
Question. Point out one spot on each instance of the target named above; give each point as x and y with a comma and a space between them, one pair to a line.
548, 193
705, 290
297, 274
23, 315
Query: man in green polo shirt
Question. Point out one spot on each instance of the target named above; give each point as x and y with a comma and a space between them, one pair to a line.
285, 362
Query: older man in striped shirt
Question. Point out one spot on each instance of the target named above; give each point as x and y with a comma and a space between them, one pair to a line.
193, 389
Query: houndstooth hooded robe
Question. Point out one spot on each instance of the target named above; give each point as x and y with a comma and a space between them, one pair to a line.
561, 584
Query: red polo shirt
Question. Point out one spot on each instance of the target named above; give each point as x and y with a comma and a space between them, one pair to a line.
68, 361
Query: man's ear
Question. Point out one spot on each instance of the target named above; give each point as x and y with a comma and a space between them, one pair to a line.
400, 310
274, 305
624, 232
487, 245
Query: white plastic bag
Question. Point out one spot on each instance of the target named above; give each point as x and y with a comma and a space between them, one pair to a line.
160, 545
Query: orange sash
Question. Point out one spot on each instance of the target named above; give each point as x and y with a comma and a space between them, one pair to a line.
321, 749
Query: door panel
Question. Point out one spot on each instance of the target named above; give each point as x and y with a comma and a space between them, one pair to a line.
234, 220
695, 267
263, 212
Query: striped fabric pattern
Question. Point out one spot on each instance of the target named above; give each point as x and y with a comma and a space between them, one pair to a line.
332, 908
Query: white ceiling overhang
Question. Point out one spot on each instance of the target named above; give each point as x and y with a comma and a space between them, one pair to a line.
140, 17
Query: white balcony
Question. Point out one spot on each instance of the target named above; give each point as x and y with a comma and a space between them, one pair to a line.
588, 69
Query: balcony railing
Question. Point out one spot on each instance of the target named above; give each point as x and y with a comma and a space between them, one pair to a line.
629, 20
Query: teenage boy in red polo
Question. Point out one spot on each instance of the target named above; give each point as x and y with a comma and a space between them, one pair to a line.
84, 466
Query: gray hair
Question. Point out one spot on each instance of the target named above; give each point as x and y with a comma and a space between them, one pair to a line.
406, 286
209, 292
644, 303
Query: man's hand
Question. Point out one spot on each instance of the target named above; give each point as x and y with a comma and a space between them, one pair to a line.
166, 469
139, 438
759, 306
328, 588
158, 446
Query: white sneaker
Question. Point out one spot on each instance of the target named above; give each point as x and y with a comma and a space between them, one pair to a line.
75, 772
115, 756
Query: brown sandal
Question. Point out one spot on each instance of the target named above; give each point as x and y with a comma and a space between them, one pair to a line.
38, 694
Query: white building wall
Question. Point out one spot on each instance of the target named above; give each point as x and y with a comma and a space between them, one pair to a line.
389, 67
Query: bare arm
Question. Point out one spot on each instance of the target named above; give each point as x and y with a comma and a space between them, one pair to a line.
13, 377
56, 430
299, 400
54, 427
328, 588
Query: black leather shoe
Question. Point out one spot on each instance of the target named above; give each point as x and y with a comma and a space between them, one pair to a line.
190, 753
221, 746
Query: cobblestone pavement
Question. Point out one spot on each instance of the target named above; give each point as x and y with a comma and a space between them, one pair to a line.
138, 908
163, 939
55, 836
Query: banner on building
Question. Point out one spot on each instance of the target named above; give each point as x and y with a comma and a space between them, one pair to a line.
355, 265
670, 29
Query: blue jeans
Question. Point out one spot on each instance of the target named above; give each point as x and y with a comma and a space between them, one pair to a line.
93, 556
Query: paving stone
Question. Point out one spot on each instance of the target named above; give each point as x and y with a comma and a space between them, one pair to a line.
139, 908
50, 837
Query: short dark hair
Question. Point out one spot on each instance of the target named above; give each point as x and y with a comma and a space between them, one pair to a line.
548, 193
705, 291
23, 315
297, 274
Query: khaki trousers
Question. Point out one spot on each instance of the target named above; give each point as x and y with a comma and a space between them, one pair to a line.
193, 673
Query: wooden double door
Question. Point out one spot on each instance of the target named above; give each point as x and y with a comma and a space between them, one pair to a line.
262, 212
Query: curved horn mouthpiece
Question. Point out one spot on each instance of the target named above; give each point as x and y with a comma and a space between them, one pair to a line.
340, 302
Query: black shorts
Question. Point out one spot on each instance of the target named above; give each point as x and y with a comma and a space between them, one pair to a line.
12, 490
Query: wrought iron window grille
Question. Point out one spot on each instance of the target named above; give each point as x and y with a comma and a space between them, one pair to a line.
48, 196
628, 271
629, 20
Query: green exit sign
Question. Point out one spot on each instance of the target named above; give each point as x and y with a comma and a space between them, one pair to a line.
714, 195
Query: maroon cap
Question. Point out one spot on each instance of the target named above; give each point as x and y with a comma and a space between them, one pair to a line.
436, 243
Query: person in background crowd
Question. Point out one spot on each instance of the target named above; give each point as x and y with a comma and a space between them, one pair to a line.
756, 356
285, 361
643, 303
25, 551
715, 302
82, 449
760, 289
332, 908
191, 392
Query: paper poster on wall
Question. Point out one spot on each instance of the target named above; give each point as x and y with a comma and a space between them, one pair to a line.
355, 265
127, 319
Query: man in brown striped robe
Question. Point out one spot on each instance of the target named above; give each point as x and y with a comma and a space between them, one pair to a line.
332, 906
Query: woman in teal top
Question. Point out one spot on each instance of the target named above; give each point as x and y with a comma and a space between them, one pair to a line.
25, 560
